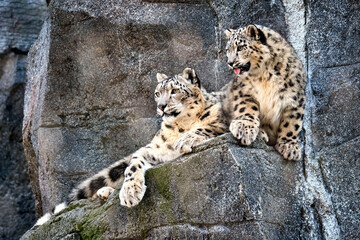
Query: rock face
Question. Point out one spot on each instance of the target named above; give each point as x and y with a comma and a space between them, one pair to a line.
88, 102
218, 191
21, 22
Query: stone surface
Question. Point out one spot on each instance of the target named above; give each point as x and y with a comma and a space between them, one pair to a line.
334, 118
16, 199
21, 22
88, 102
219, 191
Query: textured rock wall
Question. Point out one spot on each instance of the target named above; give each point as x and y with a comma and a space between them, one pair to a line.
89, 102
332, 164
21, 22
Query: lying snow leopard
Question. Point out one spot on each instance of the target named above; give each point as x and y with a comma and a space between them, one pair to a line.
268, 90
190, 116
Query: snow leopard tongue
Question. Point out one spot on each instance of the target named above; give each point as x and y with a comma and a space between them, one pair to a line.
237, 70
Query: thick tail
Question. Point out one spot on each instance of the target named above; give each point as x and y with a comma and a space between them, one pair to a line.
108, 177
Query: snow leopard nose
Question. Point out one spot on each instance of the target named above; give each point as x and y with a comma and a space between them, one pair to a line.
162, 106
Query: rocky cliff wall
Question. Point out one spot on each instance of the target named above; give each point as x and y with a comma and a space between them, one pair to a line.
89, 102
21, 22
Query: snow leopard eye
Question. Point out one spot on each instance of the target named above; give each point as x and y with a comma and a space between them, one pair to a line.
174, 91
157, 94
239, 48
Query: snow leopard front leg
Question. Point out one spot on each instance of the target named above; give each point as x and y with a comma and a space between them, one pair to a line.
199, 135
133, 188
246, 122
288, 132
193, 138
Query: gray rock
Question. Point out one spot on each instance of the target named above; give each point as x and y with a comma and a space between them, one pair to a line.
222, 191
333, 123
21, 21
16, 200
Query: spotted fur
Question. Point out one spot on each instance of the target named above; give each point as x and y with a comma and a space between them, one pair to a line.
190, 116
268, 90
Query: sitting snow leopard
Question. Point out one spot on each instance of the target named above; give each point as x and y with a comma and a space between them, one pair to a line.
268, 90
189, 117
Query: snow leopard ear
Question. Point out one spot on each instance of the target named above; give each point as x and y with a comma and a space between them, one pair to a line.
255, 33
161, 77
190, 75
228, 32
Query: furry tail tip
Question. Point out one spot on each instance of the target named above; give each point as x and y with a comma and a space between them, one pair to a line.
47, 216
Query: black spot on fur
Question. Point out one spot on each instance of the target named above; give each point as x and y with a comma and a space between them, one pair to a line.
169, 146
116, 172
289, 134
236, 107
96, 184
81, 194
204, 116
242, 109
174, 114
181, 130
208, 130
254, 108
301, 101
133, 169
163, 138
286, 124
169, 126
298, 115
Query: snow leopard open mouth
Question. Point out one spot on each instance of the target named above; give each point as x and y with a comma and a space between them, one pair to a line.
241, 68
